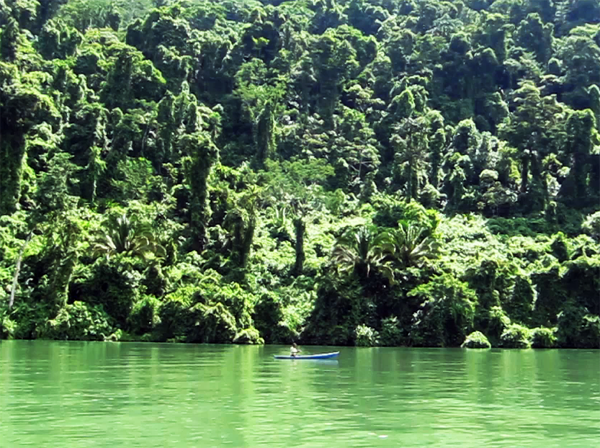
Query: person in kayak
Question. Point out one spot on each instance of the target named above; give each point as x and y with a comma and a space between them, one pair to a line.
294, 350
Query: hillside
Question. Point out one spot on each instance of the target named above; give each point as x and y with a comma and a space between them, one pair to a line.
369, 172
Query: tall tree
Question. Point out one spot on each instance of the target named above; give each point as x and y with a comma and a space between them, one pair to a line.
22, 105
411, 145
201, 155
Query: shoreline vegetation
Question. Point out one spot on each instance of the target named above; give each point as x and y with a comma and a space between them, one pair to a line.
332, 172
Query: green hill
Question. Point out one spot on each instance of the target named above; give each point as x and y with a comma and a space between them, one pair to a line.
370, 172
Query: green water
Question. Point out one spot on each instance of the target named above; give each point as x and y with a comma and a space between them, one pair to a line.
105, 395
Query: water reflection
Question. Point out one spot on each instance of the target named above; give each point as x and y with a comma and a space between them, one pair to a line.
160, 395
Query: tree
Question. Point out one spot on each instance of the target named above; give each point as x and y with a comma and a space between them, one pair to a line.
265, 133
10, 40
536, 36
202, 154
581, 58
411, 144
534, 129
328, 15
359, 251
581, 136
22, 105
241, 222
18, 271
127, 236
334, 59
298, 185
300, 228
446, 312
410, 245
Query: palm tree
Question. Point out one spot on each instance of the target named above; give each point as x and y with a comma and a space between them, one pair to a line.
126, 236
409, 245
359, 250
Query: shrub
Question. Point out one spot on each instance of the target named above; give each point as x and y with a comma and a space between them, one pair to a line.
591, 225
114, 285
543, 337
516, 336
79, 321
211, 324
476, 340
590, 332
339, 308
391, 333
155, 281
144, 315
578, 328
365, 336
248, 336
571, 321
497, 324
268, 313
519, 305
117, 336
551, 295
7, 328
559, 247
236, 300
27, 318
174, 318
446, 313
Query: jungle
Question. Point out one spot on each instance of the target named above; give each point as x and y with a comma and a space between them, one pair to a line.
343, 172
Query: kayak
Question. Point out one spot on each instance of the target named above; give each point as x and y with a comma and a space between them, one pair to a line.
318, 356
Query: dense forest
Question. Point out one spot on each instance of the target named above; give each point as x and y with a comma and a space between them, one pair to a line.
348, 172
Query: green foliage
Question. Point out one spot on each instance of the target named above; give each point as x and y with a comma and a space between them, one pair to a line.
543, 337
113, 284
519, 304
7, 328
339, 309
446, 312
358, 251
366, 336
174, 317
211, 324
391, 334
576, 328
516, 336
144, 317
248, 336
126, 237
591, 226
476, 340
350, 171
409, 245
202, 154
497, 324
79, 321
206, 314
268, 318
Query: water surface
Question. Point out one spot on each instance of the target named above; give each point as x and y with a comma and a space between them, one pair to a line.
124, 395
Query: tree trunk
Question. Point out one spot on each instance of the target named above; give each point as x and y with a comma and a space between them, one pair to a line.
300, 226
12, 157
524, 174
18, 270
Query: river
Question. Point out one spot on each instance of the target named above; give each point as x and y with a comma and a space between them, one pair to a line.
109, 395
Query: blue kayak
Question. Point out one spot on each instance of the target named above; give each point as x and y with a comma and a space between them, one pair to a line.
319, 356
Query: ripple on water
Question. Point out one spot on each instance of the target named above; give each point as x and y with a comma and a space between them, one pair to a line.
154, 395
